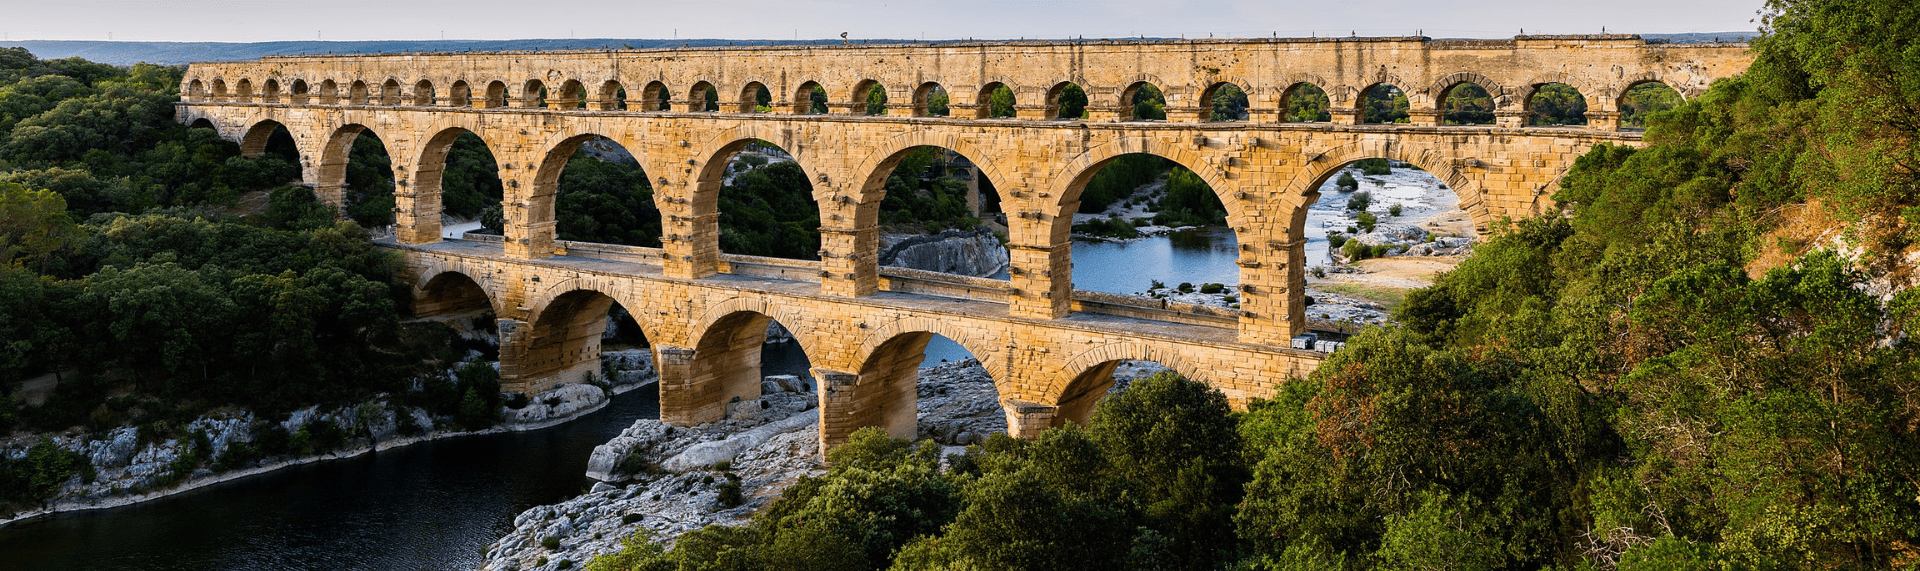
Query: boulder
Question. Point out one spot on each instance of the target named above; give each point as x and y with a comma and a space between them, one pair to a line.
710, 453
117, 450
642, 436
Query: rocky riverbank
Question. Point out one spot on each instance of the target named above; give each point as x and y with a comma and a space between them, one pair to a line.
976, 252
129, 465
665, 481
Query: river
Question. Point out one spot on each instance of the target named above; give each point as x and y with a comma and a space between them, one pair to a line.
435, 505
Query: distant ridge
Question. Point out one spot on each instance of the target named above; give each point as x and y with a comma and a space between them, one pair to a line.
129, 53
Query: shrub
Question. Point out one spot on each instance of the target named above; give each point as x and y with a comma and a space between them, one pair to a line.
1334, 240
564, 564
730, 495
550, 542
1212, 288
1375, 167
1347, 183
1393, 210
1360, 201
1367, 221
1186, 287
630, 519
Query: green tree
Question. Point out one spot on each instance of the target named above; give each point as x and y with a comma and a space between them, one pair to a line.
1384, 103
1227, 103
1307, 103
1000, 102
1149, 104
1556, 104
33, 226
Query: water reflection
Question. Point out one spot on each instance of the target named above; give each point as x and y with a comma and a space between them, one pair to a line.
1199, 256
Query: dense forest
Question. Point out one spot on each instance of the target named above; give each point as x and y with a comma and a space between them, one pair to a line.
1668, 372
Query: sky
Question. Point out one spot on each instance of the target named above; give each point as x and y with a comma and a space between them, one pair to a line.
273, 20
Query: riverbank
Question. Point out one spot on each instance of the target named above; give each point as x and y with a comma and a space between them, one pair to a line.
126, 469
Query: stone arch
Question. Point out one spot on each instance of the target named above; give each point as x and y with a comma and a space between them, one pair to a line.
656, 97
254, 142
1299, 191
749, 101
533, 93
1686, 90
219, 89
563, 330
299, 91
725, 143
357, 93
857, 103
243, 90
793, 320
984, 101
496, 95
203, 123
1626, 113
1437, 91
447, 287
430, 165
390, 92
196, 90
461, 94
1589, 103
1086, 377
270, 91
573, 95
884, 391
1297, 88
1127, 95
332, 173
612, 96
1214, 90
423, 95
329, 92
540, 200
1054, 108
873, 170
1361, 97
803, 97
697, 97
1072, 178
922, 96
991, 360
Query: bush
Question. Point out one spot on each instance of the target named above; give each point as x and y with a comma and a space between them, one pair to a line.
630, 519
730, 494
1212, 288
550, 542
1334, 240
1347, 183
1360, 201
1375, 167
1393, 210
1367, 221
1186, 287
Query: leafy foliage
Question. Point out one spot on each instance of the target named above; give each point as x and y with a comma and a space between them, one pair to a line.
1307, 103
1554, 104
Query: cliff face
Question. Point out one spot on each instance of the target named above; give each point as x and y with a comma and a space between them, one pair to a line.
974, 253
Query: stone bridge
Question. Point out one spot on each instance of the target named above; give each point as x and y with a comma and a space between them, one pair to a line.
1048, 346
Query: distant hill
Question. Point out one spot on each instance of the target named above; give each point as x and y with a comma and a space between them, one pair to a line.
129, 53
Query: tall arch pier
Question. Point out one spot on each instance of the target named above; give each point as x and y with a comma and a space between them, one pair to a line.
864, 326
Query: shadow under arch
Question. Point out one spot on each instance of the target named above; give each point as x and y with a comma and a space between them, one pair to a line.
334, 155
431, 166
1092, 376
725, 362
563, 341
885, 391
443, 291
253, 143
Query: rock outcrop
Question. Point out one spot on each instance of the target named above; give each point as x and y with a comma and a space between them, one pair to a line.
974, 253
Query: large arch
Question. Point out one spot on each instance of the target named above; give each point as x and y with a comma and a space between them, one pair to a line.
723, 144
254, 142
1074, 175
872, 171
969, 339
428, 201
1085, 379
725, 360
562, 342
451, 291
541, 199
332, 173
1304, 186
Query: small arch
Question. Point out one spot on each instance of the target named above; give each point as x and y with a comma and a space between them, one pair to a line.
329, 92
357, 93
300, 93
869, 98
1067, 101
423, 94
563, 345
1643, 99
1466, 103
390, 92
1225, 102
219, 89
461, 95
203, 123
496, 95
573, 95
1383, 103
656, 97
996, 101
754, 98
270, 91
366, 194
1143, 101
196, 90
930, 100
810, 99
1555, 104
533, 94
886, 392
1305, 102
613, 96
703, 98
243, 91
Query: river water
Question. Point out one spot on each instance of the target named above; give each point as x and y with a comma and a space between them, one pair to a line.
436, 505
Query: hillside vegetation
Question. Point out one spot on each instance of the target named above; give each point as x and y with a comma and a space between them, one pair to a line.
1604, 387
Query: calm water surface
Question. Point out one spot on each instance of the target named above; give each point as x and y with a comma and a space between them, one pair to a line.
435, 505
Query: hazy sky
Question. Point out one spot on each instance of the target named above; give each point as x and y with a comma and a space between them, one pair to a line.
267, 20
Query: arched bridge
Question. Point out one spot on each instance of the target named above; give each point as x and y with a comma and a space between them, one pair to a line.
1048, 346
